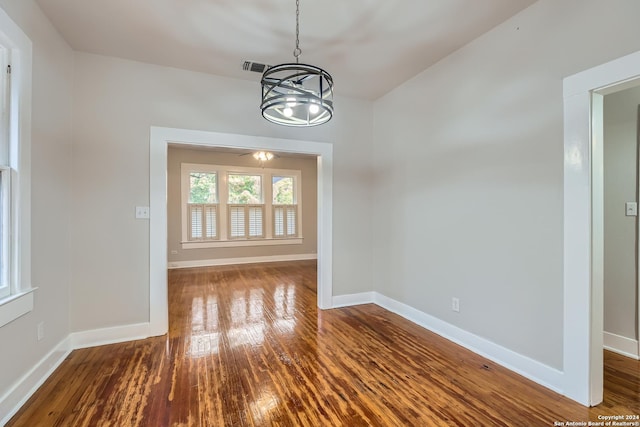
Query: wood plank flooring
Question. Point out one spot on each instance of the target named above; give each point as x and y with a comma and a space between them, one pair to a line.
247, 347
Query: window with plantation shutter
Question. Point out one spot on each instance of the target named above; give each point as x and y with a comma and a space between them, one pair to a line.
227, 206
202, 206
285, 207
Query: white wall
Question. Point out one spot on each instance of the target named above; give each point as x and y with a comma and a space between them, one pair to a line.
51, 197
116, 102
620, 232
469, 160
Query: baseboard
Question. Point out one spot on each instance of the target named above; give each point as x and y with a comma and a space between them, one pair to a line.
352, 299
112, 335
535, 371
621, 345
542, 374
24, 388
242, 260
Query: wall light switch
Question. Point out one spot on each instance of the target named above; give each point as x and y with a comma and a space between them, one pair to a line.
631, 208
142, 212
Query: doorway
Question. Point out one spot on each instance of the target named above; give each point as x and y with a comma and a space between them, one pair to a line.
160, 138
620, 221
583, 223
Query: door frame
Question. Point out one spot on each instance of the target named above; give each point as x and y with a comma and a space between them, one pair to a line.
159, 141
583, 228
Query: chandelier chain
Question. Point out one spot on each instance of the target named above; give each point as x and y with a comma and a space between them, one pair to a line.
297, 51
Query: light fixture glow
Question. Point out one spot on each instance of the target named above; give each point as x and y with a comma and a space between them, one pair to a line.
263, 156
295, 94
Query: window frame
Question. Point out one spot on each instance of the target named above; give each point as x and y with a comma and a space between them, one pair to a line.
16, 171
224, 231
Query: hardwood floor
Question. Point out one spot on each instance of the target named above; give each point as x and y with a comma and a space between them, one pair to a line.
247, 347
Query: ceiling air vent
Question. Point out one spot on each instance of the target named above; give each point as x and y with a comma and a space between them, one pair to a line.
255, 67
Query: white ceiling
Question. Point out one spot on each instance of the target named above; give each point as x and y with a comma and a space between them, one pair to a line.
369, 46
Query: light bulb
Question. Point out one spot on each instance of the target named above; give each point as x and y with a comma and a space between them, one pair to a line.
288, 112
313, 108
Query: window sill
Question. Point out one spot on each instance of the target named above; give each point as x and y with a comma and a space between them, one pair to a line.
240, 243
15, 306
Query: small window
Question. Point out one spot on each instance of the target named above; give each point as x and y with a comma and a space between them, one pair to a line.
203, 206
285, 208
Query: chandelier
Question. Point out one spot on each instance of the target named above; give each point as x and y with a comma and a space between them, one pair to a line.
295, 94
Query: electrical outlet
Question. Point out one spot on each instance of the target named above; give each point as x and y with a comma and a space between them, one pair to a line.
455, 304
142, 212
40, 331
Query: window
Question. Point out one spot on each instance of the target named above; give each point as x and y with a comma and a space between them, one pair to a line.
203, 206
285, 210
5, 172
231, 206
246, 210
16, 293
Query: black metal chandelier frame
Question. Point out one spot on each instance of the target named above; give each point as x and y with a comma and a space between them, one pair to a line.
295, 94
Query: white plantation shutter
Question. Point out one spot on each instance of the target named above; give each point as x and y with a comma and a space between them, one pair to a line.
278, 221
203, 222
236, 222
195, 227
211, 221
246, 221
255, 221
285, 219
292, 214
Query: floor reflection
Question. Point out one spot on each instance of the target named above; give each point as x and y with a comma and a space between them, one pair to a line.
248, 314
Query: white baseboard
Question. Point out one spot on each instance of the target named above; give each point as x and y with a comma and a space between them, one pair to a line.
352, 299
24, 388
112, 335
621, 345
542, 374
535, 371
242, 260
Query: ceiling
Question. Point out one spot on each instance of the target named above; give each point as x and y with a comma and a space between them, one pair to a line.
369, 46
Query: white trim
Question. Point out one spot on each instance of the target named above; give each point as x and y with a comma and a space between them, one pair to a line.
242, 243
160, 138
583, 289
540, 373
535, 371
15, 306
243, 260
353, 299
24, 388
113, 335
621, 345
12, 37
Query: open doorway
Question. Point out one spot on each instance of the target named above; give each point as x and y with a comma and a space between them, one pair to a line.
583, 223
620, 136
160, 139
226, 207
